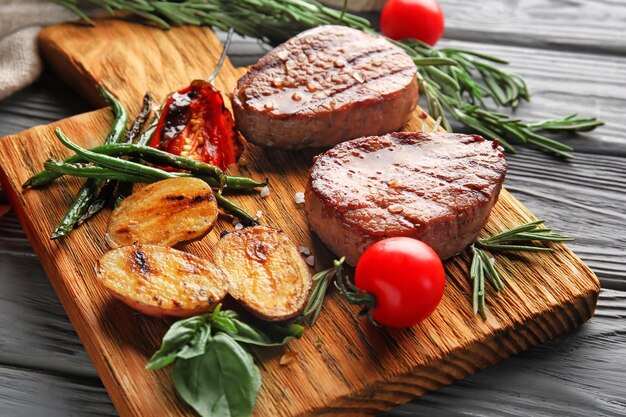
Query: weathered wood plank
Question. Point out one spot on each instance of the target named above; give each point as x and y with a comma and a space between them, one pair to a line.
563, 83
26, 393
372, 368
580, 374
577, 374
46, 101
598, 25
584, 198
477, 398
35, 331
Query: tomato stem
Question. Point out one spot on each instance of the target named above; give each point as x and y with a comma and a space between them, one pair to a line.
353, 294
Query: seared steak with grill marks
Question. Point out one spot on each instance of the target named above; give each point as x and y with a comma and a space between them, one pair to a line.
435, 187
325, 86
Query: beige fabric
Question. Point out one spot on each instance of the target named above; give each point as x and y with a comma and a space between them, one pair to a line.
20, 22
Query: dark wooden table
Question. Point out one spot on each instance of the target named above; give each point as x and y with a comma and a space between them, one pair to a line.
573, 54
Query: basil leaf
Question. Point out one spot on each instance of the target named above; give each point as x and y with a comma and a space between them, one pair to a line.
197, 345
224, 323
256, 332
178, 337
223, 382
266, 334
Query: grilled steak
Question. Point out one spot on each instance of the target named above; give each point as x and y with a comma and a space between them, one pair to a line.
325, 86
435, 187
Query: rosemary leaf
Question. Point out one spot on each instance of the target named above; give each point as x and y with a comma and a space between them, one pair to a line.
321, 281
482, 266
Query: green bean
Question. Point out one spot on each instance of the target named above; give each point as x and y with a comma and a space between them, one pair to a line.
133, 135
232, 208
93, 172
76, 210
45, 177
97, 172
111, 162
242, 183
198, 168
121, 117
104, 196
146, 136
115, 135
163, 158
87, 193
105, 156
124, 189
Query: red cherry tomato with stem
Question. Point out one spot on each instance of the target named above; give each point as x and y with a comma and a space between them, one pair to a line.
417, 19
406, 278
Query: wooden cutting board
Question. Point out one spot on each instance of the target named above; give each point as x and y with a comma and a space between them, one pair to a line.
343, 365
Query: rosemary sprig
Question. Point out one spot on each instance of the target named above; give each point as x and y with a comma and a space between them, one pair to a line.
484, 267
321, 281
344, 285
455, 82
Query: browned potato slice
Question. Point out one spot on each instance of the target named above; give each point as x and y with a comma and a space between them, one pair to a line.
160, 281
164, 213
265, 272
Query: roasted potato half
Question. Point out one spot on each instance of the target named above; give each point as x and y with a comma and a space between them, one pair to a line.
164, 213
265, 272
160, 281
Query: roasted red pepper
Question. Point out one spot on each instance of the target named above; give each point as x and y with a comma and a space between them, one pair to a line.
196, 124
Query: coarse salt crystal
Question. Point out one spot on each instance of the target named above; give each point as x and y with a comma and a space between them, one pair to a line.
310, 260
238, 226
299, 197
265, 191
259, 214
304, 250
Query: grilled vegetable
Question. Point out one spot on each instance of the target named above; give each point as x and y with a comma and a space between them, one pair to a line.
164, 213
160, 281
133, 135
196, 124
81, 208
265, 272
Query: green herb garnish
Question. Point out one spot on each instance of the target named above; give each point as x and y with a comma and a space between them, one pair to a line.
213, 371
321, 282
484, 267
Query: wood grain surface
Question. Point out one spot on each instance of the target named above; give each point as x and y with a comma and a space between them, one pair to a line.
576, 25
539, 382
380, 368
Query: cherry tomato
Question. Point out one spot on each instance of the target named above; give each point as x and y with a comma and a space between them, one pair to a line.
406, 277
417, 19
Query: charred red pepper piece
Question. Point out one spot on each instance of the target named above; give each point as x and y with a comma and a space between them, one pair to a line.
196, 124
